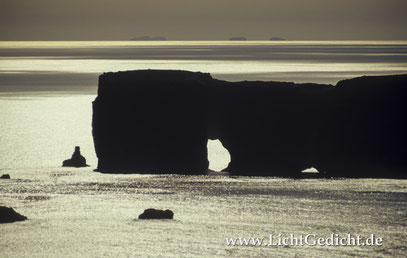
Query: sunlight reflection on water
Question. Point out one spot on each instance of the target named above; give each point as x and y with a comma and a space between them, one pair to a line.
77, 212
298, 61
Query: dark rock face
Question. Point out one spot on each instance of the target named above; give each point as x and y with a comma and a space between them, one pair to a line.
5, 176
363, 128
151, 122
159, 122
268, 127
77, 159
156, 214
8, 215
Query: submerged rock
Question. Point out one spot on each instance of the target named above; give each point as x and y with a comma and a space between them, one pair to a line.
156, 214
8, 215
5, 176
77, 160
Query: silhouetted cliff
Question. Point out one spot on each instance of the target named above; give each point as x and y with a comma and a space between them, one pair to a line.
154, 121
268, 127
363, 128
151, 122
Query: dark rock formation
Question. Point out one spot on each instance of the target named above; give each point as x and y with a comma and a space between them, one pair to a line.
363, 128
159, 122
156, 214
268, 127
5, 176
8, 215
77, 160
151, 122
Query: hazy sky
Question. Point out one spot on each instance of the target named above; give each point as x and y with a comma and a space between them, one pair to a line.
202, 19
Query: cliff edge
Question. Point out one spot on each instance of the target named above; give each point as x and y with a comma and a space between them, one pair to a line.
159, 121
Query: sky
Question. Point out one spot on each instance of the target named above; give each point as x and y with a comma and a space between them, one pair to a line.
203, 19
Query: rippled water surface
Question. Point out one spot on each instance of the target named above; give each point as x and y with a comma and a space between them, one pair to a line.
83, 213
46, 90
75, 65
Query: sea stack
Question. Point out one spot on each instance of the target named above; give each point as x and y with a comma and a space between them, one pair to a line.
5, 176
77, 159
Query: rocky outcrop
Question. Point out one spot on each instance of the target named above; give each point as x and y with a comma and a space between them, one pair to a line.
8, 215
363, 128
5, 176
268, 127
156, 214
151, 122
77, 160
155, 121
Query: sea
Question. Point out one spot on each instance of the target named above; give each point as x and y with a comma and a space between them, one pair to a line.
46, 94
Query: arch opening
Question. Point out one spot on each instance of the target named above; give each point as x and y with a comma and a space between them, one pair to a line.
218, 156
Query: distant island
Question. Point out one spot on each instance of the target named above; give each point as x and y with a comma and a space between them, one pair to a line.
148, 38
237, 38
277, 39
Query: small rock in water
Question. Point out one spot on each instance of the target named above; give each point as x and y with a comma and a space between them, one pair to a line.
8, 215
77, 159
5, 176
156, 214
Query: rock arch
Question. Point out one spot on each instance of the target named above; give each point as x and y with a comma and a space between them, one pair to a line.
155, 121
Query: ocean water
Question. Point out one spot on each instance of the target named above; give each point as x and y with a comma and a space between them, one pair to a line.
79, 213
74, 66
46, 90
